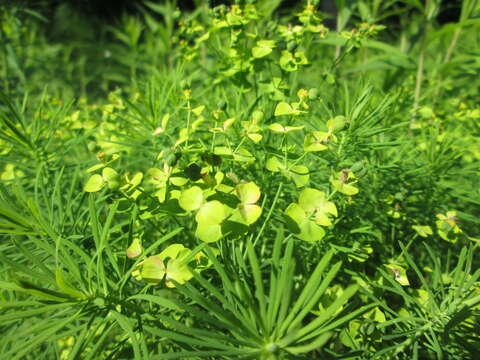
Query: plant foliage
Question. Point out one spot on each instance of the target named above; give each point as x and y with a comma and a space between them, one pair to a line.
240, 182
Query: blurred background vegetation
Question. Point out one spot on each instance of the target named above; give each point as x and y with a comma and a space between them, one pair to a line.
67, 45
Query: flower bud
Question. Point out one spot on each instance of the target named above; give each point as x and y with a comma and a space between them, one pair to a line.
337, 123
257, 116
292, 45
135, 249
313, 94
357, 166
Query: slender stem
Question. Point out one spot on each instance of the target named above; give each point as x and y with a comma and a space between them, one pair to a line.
419, 77
452, 45
239, 144
331, 194
5, 72
189, 109
338, 49
269, 214
212, 147
418, 82
341, 55
403, 42
408, 246
297, 161
340, 147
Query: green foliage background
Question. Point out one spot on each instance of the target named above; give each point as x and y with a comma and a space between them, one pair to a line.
240, 182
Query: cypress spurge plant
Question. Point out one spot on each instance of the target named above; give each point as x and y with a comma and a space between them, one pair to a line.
312, 211
252, 166
271, 318
440, 317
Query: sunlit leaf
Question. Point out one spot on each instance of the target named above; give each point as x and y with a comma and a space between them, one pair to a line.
263, 48
283, 108
94, 183
399, 273
274, 164
248, 193
423, 230
177, 271
278, 128
153, 269
310, 231
211, 213
208, 232
191, 199
300, 175
315, 141
135, 249
250, 213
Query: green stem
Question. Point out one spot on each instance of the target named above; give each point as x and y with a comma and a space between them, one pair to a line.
269, 215
239, 144
331, 194
212, 147
5, 72
452, 45
407, 247
340, 147
189, 109
296, 161
419, 77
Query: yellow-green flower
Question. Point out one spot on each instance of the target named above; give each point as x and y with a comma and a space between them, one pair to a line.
169, 265
447, 225
343, 182
423, 230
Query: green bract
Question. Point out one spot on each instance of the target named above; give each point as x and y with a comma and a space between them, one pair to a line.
209, 219
312, 200
284, 108
316, 141
291, 61
343, 182
399, 274
298, 173
307, 217
278, 128
249, 194
423, 230
263, 48
303, 227
96, 182
191, 199
135, 249
447, 226
170, 265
